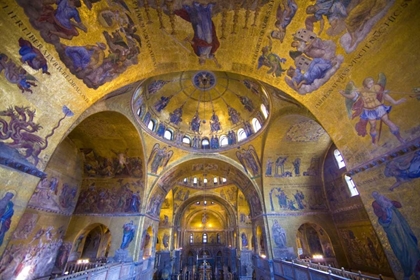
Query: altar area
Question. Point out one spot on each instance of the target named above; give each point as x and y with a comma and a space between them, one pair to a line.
204, 271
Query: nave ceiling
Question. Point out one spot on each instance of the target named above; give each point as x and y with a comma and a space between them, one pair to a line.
94, 86
132, 41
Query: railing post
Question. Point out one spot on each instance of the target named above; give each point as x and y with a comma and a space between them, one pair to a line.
294, 269
309, 271
329, 275
107, 272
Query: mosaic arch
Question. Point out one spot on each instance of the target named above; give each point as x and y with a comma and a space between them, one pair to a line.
212, 200
212, 167
112, 163
93, 239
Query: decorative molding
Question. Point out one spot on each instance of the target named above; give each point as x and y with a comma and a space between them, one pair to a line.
400, 151
11, 158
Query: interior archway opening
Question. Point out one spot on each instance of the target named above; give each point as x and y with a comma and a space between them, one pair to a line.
314, 245
207, 215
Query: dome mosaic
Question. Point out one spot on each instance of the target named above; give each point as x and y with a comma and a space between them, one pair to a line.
202, 110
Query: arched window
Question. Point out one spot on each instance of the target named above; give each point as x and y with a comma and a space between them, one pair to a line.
264, 111
352, 187
256, 124
168, 134
224, 141
241, 134
191, 238
205, 181
205, 143
215, 181
339, 159
139, 111
218, 238
151, 125
204, 237
195, 181
186, 140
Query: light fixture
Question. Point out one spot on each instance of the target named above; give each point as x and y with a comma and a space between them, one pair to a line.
317, 256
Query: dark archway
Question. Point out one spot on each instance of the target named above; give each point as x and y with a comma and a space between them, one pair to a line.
314, 244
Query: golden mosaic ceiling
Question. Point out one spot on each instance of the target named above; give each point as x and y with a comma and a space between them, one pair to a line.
99, 42
81, 51
201, 104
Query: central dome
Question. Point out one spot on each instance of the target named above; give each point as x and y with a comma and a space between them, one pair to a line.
202, 109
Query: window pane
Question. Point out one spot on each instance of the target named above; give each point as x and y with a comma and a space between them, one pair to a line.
339, 159
168, 135
351, 186
223, 141
256, 124
264, 111
151, 125
186, 140
205, 144
241, 134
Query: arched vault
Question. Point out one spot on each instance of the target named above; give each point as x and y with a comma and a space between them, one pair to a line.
211, 166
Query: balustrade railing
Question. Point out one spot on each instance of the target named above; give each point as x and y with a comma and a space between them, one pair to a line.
110, 271
299, 269
74, 267
289, 270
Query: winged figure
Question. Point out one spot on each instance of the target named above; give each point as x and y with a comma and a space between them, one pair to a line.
368, 103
